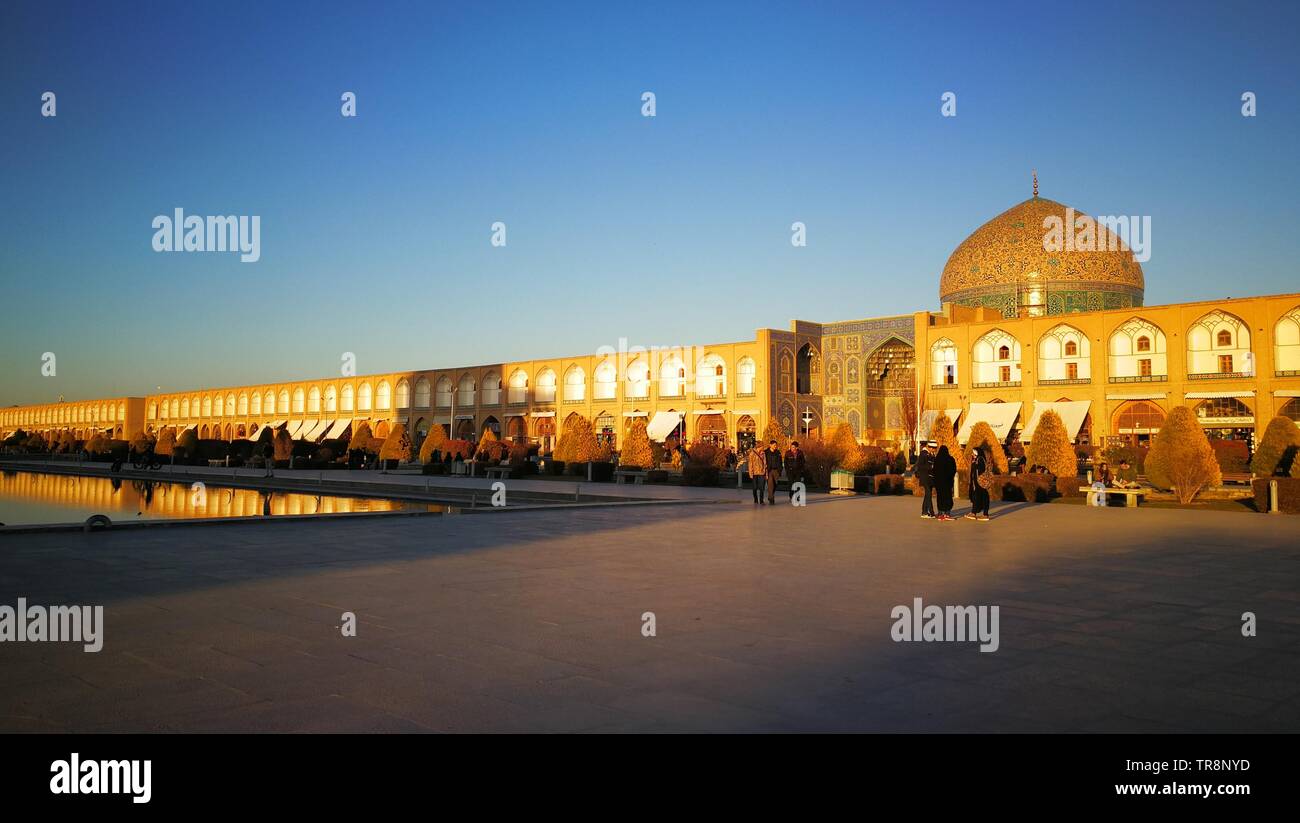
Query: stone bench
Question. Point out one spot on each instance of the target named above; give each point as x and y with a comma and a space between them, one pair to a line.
1130, 495
637, 477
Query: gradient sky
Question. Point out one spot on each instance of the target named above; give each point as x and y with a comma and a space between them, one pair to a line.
671, 230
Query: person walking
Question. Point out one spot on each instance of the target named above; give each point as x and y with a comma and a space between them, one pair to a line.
925, 478
979, 496
757, 468
268, 453
772, 460
794, 465
945, 472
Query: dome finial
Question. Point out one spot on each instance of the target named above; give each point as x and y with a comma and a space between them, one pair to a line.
1035, 182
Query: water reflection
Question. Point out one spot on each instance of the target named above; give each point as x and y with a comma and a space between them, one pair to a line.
33, 497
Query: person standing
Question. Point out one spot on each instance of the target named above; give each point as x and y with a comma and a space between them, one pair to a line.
757, 468
268, 454
794, 465
772, 461
925, 478
979, 496
944, 472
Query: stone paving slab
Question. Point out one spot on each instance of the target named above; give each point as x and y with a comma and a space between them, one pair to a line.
768, 619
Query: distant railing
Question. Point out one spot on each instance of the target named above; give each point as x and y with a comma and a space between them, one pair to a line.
1220, 375
1066, 381
1141, 378
997, 385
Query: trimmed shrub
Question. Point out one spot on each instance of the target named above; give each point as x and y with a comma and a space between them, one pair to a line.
141, 442
941, 433
981, 434
1288, 492
578, 442
1135, 455
458, 449
362, 441
1232, 456
1181, 457
283, 445
166, 442
773, 431
97, 445
888, 484
700, 474
707, 454
1051, 449
1030, 488
490, 448
819, 460
637, 453
1276, 452
187, 444
397, 446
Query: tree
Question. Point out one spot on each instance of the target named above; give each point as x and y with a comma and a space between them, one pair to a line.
283, 445
67, 442
362, 440
774, 432
397, 446
578, 442
1276, 452
166, 442
982, 435
141, 442
433, 442
1051, 449
1181, 457
941, 433
98, 444
187, 445
636, 448
490, 447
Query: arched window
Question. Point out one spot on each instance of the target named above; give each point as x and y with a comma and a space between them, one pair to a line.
518, 390
672, 377
943, 362
606, 383
176, 409
712, 378
1291, 409
365, 397
442, 392
230, 405
1219, 409
638, 379
1064, 355
242, 408
346, 398
746, 375
255, 404
807, 366
996, 359
313, 400
492, 388
299, 401
403, 394
465, 390
1137, 353
1218, 344
207, 406
422, 393
1286, 344
384, 396
545, 391
331, 399
282, 403
575, 384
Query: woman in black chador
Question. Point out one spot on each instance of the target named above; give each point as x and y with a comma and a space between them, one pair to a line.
979, 496
945, 471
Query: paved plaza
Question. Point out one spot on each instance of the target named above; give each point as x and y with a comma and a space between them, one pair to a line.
772, 619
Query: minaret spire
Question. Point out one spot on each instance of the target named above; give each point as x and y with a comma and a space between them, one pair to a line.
1035, 182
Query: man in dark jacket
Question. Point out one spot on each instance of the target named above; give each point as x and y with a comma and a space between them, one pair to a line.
772, 455
794, 465
925, 477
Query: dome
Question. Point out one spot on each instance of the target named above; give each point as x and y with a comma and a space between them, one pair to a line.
1004, 265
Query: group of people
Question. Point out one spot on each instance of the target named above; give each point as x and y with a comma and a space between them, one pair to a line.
765, 466
1124, 477
936, 472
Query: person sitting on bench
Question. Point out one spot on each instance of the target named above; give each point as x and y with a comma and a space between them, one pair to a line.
1126, 477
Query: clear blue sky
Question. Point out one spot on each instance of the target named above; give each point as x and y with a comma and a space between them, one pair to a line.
671, 230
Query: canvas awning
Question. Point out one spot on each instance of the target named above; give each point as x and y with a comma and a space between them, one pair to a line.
1208, 395
1148, 396
662, 424
337, 428
275, 424
317, 429
1000, 416
1072, 412
635, 414
295, 427
1287, 393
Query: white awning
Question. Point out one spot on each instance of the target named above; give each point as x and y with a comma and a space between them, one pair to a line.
276, 424
1149, 396
295, 427
1287, 393
337, 428
662, 424
1000, 416
1072, 414
635, 414
317, 429
750, 412
543, 414
1207, 395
